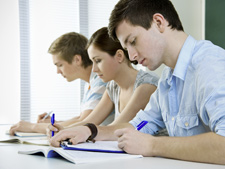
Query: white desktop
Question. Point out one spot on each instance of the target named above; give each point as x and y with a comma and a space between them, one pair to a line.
10, 159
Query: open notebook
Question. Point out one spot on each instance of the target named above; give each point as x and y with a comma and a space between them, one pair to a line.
98, 146
25, 138
77, 156
23, 134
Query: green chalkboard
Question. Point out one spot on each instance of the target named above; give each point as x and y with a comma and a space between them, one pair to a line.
215, 22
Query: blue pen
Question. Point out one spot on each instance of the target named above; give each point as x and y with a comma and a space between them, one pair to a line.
53, 121
142, 124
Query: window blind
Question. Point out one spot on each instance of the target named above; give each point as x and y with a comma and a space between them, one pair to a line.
42, 89
41, 22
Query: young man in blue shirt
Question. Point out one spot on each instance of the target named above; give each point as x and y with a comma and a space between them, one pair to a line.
190, 98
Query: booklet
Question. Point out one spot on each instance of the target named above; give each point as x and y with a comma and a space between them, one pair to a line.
75, 156
35, 140
98, 146
24, 134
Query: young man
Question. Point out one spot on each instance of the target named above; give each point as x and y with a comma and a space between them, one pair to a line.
190, 98
70, 56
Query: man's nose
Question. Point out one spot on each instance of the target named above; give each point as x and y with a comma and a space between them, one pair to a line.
132, 54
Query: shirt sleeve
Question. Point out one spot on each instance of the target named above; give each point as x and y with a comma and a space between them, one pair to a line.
93, 95
146, 78
214, 112
210, 90
152, 114
112, 90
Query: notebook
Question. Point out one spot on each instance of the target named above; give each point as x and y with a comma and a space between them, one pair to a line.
98, 146
76, 156
25, 138
23, 134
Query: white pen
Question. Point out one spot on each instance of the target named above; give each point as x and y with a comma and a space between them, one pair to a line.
48, 114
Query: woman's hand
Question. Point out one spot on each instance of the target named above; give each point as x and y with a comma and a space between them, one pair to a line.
75, 135
56, 128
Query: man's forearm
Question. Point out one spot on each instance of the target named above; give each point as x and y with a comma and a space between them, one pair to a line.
107, 132
40, 127
207, 148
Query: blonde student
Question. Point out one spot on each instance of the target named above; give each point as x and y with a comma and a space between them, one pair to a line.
71, 59
128, 90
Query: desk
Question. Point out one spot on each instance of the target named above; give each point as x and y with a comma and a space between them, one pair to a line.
10, 159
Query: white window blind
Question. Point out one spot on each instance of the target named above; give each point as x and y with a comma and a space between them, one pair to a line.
42, 88
41, 22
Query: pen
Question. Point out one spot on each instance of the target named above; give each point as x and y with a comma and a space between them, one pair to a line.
48, 114
141, 125
53, 121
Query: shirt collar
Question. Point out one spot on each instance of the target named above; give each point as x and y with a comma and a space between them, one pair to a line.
184, 58
92, 77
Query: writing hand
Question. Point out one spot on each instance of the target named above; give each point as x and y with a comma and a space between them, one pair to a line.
75, 135
42, 120
134, 142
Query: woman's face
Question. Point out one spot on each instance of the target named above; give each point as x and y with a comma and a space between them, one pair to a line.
104, 65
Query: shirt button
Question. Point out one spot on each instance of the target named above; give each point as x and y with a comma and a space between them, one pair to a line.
186, 124
173, 118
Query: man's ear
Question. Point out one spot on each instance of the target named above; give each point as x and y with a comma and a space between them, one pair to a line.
160, 22
77, 60
120, 55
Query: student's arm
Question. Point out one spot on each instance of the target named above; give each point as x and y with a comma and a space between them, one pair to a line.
208, 147
100, 113
80, 134
76, 119
138, 101
24, 126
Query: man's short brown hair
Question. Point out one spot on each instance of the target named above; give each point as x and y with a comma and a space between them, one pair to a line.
70, 44
140, 12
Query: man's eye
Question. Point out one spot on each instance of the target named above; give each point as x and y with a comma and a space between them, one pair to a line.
97, 61
133, 42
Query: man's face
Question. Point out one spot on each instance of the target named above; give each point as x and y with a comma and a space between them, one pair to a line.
145, 46
68, 71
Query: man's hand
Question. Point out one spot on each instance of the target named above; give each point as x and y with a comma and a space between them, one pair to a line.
41, 120
22, 126
134, 142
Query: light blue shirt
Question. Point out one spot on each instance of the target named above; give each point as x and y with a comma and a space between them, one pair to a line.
93, 92
190, 99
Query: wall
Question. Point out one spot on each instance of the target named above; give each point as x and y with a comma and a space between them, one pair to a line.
10, 71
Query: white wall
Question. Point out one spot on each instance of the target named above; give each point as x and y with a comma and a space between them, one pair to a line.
9, 58
191, 13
